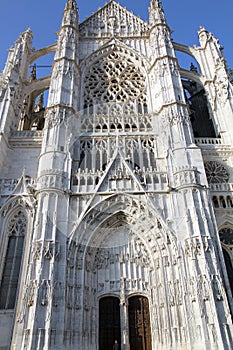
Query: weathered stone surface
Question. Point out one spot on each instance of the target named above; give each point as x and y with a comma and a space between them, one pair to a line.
105, 192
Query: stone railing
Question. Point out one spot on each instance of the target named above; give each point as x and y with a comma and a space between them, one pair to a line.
208, 141
27, 134
105, 123
222, 187
87, 181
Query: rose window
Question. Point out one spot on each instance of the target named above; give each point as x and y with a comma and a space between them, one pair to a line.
216, 172
114, 80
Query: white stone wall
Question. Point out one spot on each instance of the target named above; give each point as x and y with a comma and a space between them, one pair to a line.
119, 202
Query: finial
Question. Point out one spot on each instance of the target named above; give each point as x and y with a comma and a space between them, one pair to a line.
193, 68
24, 171
156, 12
202, 29
71, 5
33, 73
70, 14
40, 103
203, 35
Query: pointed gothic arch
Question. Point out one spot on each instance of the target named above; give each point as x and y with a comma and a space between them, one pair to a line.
15, 224
13, 235
229, 265
132, 208
199, 108
126, 239
226, 238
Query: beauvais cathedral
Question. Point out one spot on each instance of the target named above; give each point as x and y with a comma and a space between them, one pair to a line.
116, 189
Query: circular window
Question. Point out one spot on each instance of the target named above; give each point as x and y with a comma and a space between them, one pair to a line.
216, 172
113, 78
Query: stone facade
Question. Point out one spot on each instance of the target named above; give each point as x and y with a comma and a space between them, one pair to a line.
118, 191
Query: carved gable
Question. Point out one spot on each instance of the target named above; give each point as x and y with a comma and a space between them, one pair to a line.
113, 20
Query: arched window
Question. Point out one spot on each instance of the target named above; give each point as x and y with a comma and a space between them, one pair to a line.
195, 96
215, 201
222, 202
229, 202
16, 230
229, 267
226, 238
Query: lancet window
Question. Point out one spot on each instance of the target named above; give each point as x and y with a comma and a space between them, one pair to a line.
16, 231
95, 153
226, 237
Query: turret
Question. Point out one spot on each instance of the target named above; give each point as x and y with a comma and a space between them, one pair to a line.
14, 73
65, 68
216, 81
168, 102
156, 13
50, 231
168, 96
16, 64
11, 82
70, 17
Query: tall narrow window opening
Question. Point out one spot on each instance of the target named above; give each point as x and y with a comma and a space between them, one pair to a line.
16, 231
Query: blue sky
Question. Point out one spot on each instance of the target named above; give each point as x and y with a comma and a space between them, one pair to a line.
184, 18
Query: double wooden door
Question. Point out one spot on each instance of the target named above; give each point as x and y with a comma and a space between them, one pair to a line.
138, 320
139, 324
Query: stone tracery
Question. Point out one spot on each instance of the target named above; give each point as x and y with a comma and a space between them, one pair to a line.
216, 172
118, 259
113, 19
115, 80
16, 231
95, 153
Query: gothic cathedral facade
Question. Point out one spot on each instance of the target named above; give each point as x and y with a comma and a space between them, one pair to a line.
116, 197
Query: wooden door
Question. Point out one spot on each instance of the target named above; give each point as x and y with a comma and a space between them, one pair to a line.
109, 322
139, 324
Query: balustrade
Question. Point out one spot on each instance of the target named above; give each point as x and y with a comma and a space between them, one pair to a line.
86, 181
208, 141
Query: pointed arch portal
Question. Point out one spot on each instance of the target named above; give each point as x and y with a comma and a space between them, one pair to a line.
116, 253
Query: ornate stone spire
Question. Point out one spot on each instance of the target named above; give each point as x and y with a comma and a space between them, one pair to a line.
71, 5
70, 17
156, 13
68, 32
